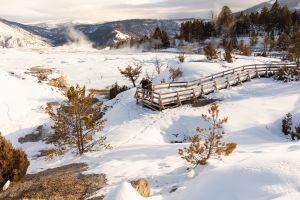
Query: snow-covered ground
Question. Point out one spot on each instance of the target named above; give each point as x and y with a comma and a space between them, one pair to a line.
99, 69
264, 166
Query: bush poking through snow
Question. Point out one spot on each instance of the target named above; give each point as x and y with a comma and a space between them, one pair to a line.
244, 49
76, 121
142, 186
158, 65
175, 73
116, 89
288, 74
287, 124
132, 73
60, 83
198, 153
228, 57
228, 51
181, 57
296, 134
51, 153
253, 41
210, 52
13, 162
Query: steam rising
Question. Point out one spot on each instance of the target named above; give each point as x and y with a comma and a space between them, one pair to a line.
77, 38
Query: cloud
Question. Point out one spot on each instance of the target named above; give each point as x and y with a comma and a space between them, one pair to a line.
106, 10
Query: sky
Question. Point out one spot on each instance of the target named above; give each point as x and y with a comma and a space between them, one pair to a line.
35, 11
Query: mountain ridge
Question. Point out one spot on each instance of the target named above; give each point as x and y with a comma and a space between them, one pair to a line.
292, 4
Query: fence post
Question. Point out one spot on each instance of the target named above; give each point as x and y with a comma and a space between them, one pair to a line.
215, 86
152, 98
267, 74
200, 82
202, 91
249, 76
239, 79
143, 96
257, 73
178, 100
194, 96
136, 95
161, 106
227, 83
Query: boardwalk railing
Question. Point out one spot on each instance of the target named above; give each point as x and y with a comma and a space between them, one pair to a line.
173, 94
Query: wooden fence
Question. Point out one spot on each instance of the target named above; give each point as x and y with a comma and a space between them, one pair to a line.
173, 94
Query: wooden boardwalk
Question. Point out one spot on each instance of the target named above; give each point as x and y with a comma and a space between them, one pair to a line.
174, 94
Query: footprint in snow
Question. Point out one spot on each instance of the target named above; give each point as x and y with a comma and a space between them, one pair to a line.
293, 148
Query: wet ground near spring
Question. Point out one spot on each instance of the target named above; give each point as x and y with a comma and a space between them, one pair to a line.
63, 183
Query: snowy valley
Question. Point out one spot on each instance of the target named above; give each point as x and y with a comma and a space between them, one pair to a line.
263, 165
55, 76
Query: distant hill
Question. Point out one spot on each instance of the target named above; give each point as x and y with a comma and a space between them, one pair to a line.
292, 4
101, 35
12, 36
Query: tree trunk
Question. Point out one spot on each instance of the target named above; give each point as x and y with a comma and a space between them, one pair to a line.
133, 82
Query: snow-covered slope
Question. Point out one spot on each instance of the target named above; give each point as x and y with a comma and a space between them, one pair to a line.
264, 166
12, 36
21, 104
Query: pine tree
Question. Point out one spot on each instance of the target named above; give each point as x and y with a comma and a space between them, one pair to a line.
283, 42
267, 42
209, 30
13, 162
132, 73
157, 37
198, 153
275, 12
242, 24
165, 40
295, 19
210, 52
286, 22
287, 124
265, 19
160, 39
294, 48
225, 19
76, 121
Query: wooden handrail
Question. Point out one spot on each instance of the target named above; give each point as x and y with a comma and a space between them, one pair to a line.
217, 75
188, 90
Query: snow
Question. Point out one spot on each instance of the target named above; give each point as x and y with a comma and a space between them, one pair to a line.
121, 36
99, 69
12, 36
124, 192
264, 166
6, 185
21, 105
